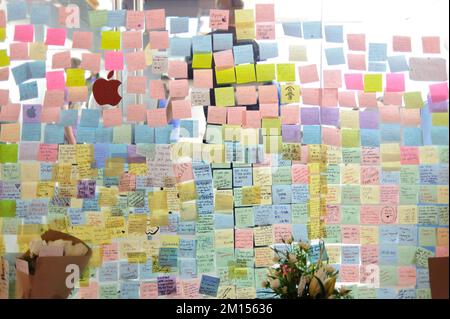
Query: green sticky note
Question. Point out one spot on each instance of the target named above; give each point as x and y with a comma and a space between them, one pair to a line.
286, 72
225, 96
223, 178
406, 255
244, 217
110, 40
409, 194
265, 72
413, 100
75, 77
334, 174
226, 76
281, 175
98, 18
7, 208
333, 234
421, 257
271, 126
122, 134
300, 213
245, 73
373, 83
350, 137
350, 195
388, 276
427, 236
351, 155
8, 153
350, 215
109, 291
202, 60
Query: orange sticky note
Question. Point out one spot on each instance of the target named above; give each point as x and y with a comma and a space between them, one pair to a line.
246, 95
10, 132
179, 88
136, 113
112, 117
290, 114
61, 60
159, 40
181, 109
203, 79
252, 119
157, 117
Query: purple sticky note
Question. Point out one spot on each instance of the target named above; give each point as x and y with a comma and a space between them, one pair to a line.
32, 113
310, 116
438, 107
86, 189
167, 285
329, 116
291, 133
354, 81
28, 151
369, 119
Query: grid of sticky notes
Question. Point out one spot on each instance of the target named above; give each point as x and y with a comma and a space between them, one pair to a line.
343, 152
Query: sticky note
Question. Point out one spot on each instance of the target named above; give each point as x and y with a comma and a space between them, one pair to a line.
159, 40
245, 73
28, 91
7, 208
377, 52
265, 72
286, 72
155, 19
24, 33
334, 33
312, 30
202, 44
180, 46
292, 29
268, 50
439, 92
222, 41
224, 96
413, 99
202, 60
335, 56
75, 77
226, 76
114, 60
243, 54
308, 73
4, 58
219, 19
55, 36
350, 138
398, 63
373, 83
9, 153
110, 40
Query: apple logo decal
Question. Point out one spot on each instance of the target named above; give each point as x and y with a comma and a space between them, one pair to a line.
105, 91
31, 112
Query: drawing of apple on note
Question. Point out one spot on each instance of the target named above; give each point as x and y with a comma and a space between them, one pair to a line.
106, 91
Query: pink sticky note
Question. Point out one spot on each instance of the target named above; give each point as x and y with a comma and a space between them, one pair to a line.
370, 214
401, 43
157, 117
350, 234
395, 82
136, 84
113, 60
112, 117
389, 114
136, 113
155, 19
4, 97
2, 18
393, 98
178, 88
217, 115
410, 117
219, 19
148, 290
183, 172
407, 276
268, 110
354, 81
389, 194
282, 232
331, 136
48, 153
300, 174
290, 114
370, 175
332, 79
265, 13
308, 73
18, 51
4, 74
159, 40
246, 95
203, 79
24, 33
442, 251
347, 99
439, 92
132, 40
181, 109
265, 31
431, 45
329, 97
367, 99
157, 90
409, 155
61, 60
55, 80
178, 69
235, 115
311, 96
91, 62
268, 94
252, 119
224, 59
333, 215
135, 61
82, 40
53, 99
135, 20
243, 238
356, 42
356, 61
110, 252
10, 112
369, 254
89, 292
55, 36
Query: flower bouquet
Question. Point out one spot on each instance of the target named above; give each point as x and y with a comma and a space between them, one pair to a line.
298, 275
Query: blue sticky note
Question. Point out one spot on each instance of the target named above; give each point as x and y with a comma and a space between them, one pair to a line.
202, 172
398, 63
21, 73
390, 177
282, 212
300, 232
312, 30
386, 293
17, 10
370, 137
202, 44
31, 131
292, 29
129, 290
334, 33
53, 134
76, 216
104, 135
263, 215
268, 50
300, 193
223, 41
40, 13
377, 66
101, 153
412, 136
312, 134
390, 132
439, 135
187, 248
168, 257
109, 271
162, 134
144, 134
145, 270
116, 18
90, 117
350, 255
388, 254
407, 235
68, 117
335, 56
243, 54
242, 176
37, 69
407, 293
223, 221
85, 135
188, 268
281, 194
188, 128
209, 285
180, 47
128, 271
388, 234
28, 91
179, 25
377, 52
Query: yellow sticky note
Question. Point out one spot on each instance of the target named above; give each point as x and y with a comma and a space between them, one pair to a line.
271, 126
373, 83
265, 72
187, 191
349, 119
245, 73
202, 61
158, 200
350, 138
286, 72
245, 24
225, 96
75, 77
290, 93
439, 119
38, 51
110, 40
170, 241
225, 76
413, 99
2, 34
223, 201
4, 58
